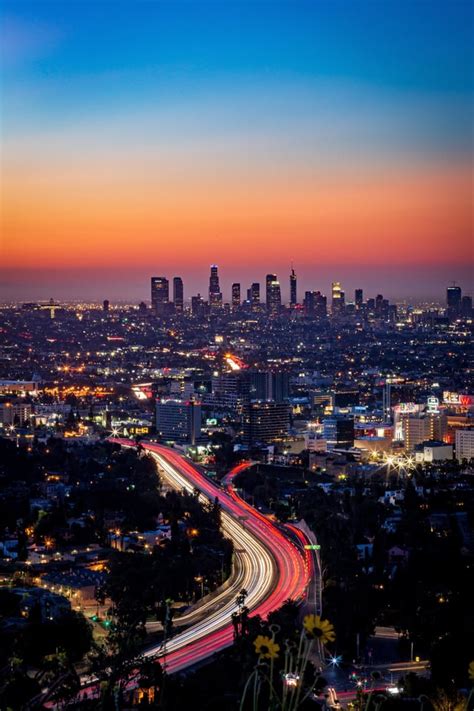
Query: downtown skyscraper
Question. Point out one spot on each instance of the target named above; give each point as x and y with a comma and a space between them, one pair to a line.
215, 294
273, 294
159, 295
178, 294
293, 289
235, 297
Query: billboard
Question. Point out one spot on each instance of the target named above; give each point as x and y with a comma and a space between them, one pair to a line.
458, 399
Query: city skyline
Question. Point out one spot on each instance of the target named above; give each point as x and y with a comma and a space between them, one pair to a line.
197, 282
251, 134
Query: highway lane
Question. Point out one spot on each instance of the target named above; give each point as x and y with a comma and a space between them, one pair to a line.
228, 484
256, 563
273, 567
212, 600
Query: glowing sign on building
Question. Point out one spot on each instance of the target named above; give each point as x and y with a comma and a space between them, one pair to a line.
458, 399
142, 391
432, 405
234, 362
406, 408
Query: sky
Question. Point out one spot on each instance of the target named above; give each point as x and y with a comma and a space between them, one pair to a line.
146, 138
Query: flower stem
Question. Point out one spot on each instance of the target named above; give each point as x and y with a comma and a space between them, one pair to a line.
255, 695
244, 693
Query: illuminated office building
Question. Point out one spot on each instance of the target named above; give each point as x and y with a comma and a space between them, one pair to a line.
215, 294
178, 294
320, 305
255, 296
159, 295
338, 298
178, 420
273, 294
315, 304
293, 289
422, 427
15, 411
338, 431
264, 421
308, 303
198, 306
266, 385
235, 297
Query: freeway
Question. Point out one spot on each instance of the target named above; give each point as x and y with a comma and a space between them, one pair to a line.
271, 566
288, 529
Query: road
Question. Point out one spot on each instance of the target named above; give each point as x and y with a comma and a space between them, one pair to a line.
289, 530
272, 567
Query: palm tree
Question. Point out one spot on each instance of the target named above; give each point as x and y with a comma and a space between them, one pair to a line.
446, 702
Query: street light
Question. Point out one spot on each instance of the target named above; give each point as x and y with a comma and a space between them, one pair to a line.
200, 579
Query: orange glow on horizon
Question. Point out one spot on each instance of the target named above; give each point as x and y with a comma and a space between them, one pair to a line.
85, 220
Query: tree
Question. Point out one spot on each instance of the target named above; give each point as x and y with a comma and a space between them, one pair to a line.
71, 420
119, 663
70, 632
443, 701
22, 544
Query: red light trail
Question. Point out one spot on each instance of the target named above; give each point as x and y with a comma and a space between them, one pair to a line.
288, 577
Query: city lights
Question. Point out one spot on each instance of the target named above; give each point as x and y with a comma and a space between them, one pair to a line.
236, 373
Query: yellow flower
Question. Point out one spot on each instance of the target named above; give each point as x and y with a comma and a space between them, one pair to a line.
471, 671
266, 647
319, 629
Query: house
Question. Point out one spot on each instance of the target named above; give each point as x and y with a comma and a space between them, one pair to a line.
397, 554
392, 497
78, 584
364, 551
9, 548
47, 604
392, 523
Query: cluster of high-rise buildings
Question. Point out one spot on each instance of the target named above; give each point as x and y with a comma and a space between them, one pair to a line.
260, 397
458, 305
161, 303
262, 404
314, 303
361, 380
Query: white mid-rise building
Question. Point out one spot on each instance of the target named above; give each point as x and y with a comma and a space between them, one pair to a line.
433, 451
464, 443
15, 412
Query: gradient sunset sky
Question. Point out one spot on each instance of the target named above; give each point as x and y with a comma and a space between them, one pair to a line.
148, 138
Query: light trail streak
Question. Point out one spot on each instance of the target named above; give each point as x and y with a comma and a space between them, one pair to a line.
273, 568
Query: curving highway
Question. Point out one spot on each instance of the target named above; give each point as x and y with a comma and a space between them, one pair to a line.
271, 567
